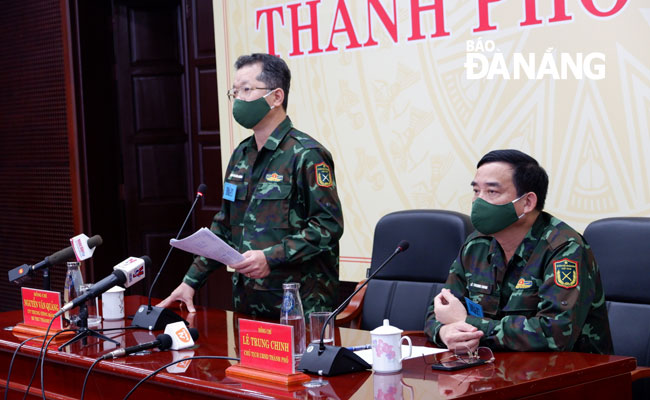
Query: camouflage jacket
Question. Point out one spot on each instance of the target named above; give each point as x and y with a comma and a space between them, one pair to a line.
285, 204
549, 297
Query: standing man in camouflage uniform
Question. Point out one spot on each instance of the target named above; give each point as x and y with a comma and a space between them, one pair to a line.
530, 282
281, 208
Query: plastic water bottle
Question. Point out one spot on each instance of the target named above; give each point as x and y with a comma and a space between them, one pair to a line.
73, 281
292, 314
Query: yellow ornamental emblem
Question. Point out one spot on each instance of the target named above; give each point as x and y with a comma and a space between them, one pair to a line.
566, 273
274, 177
524, 284
323, 175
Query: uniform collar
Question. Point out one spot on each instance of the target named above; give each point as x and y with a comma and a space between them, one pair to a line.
527, 246
275, 138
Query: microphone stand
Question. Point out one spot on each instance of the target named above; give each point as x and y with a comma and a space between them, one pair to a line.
156, 318
83, 331
46, 279
333, 360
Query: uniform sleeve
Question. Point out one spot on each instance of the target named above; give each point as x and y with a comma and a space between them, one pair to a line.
457, 283
562, 309
201, 267
318, 212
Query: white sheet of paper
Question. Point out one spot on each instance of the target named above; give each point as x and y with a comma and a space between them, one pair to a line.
418, 351
205, 243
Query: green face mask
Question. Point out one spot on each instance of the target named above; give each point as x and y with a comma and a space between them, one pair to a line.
250, 113
490, 218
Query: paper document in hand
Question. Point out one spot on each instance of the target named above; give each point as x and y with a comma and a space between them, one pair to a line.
205, 243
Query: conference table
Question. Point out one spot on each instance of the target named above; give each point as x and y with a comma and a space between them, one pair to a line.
512, 375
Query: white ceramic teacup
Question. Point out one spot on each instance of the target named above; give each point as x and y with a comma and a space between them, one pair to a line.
113, 303
387, 348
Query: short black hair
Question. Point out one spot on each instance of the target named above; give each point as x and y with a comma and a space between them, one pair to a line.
528, 175
275, 72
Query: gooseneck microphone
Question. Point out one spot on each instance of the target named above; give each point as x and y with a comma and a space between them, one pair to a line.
333, 360
18, 274
126, 273
155, 318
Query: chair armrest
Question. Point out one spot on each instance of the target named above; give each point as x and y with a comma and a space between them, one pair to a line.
352, 313
640, 373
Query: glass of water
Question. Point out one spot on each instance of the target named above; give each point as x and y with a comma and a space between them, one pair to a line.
316, 321
94, 319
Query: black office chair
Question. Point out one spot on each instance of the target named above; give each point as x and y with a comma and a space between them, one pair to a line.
622, 251
403, 290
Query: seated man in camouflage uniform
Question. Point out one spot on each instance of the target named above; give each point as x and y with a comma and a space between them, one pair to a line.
281, 208
531, 281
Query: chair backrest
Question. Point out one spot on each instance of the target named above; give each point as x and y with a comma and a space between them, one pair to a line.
402, 291
621, 247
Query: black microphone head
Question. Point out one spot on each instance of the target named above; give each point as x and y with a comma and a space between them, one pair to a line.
403, 245
165, 341
194, 333
147, 261
95, 241
201, 190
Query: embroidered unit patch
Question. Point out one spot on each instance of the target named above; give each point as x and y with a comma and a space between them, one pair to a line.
566, 273
323, 175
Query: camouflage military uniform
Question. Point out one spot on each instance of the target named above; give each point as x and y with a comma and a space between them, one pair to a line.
549, 297
286, 205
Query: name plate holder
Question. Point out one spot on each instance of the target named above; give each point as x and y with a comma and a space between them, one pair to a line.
39, 306
266, 354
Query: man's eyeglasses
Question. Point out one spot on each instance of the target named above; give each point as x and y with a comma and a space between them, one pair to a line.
463, 358
243, 92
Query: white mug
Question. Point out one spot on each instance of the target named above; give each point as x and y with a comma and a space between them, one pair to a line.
387, 348
113, 303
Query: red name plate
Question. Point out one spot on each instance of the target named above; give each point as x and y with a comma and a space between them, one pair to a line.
266, 346
39, 306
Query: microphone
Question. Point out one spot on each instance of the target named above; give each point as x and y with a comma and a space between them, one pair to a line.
155, 318
333, 360
163, 342
126, 273
18, 274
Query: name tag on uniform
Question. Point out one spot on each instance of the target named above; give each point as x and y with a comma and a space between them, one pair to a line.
229, 191
473, 308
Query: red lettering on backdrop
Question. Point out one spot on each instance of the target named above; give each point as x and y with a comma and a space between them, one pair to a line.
312, 26
270, 27
559, 6
390, 25
589, 6
530, 8
348, 28
416, 9
484, 16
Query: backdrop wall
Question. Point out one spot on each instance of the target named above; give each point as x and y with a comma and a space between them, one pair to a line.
409, 94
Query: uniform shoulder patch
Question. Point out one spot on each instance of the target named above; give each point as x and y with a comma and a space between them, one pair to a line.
565, 272
323, 175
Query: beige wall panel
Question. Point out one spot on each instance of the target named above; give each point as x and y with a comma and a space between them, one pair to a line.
406, 125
